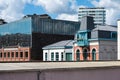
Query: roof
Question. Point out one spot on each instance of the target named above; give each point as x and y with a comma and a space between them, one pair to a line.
61, 44
105, 28
56, 65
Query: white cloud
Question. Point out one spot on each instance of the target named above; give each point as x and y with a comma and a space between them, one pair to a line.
65, 9
11, 10
112, 10
70, 17
57, 6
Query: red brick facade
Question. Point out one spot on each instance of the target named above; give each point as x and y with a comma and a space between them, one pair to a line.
89, 52
15, 54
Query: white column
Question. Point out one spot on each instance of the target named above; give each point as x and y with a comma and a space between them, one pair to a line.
118, 37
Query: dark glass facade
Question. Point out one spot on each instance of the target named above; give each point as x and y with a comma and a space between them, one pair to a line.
16, 33
35, 32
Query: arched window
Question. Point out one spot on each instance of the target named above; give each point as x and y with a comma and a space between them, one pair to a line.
94, 54
78, 55
85, 54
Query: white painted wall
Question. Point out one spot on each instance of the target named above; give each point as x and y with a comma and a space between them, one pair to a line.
118, 47
54, 51
60, 51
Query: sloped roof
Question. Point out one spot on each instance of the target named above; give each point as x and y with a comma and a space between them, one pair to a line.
61, 44
105, 28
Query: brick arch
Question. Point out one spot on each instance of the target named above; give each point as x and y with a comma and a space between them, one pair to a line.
75, 49
97, 52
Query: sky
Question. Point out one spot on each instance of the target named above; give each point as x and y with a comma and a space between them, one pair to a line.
12, 10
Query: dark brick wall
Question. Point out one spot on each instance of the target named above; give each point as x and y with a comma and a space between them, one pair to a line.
40, 40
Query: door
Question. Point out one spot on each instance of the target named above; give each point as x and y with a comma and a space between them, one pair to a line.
68, 56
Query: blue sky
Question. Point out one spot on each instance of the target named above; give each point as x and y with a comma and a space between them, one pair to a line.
12, 10
31, 8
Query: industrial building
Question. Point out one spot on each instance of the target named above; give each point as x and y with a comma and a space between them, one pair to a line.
33, 32
95, 43
98, 13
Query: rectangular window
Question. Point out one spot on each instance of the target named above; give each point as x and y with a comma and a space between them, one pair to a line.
12, 54
21, 54
5, 54
26, 54
16, 54
46, 56
114, 35
52, 56
62, 56
57, 56
8, 54
0, 54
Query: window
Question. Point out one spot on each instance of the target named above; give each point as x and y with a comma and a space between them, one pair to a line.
8, 54
57, 56
78, 55
85, 54
0, 54
21, 54
114, 35
12, 54
16, 54
62, 58
4, 54
26, 54
52, 56
46, 56
93, 54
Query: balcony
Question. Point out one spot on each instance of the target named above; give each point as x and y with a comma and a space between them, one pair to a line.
82, 42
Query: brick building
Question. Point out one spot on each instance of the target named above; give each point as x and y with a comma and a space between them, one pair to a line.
95, 43
15, 53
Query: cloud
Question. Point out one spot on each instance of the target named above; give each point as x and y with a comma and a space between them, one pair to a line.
112, 10
11, 10
70, 17
57, 6
65, 9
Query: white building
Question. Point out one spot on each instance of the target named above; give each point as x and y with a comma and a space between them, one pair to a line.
99, 14
60, 51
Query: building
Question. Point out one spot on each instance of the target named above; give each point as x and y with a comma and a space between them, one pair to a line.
98, 13
15, 53
60, 51
118, 47
98, 70
34, 32
95, 43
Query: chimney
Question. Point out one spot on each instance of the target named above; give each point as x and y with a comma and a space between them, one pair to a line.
87, 23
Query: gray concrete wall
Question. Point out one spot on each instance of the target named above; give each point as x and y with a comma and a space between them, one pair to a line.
18, 75
107, 50
108, 73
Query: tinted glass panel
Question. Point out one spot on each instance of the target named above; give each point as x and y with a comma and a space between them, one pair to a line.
15, 33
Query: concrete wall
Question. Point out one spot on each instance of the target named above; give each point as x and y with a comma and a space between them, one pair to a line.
107, 50
107, 73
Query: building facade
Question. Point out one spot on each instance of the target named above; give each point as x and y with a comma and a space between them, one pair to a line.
95, 43
15, 53
99, 14
36, 31
60, 51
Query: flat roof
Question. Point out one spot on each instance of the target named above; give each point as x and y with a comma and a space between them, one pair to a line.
56, 65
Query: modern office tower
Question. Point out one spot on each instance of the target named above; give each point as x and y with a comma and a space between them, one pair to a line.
23, 40
99, 14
